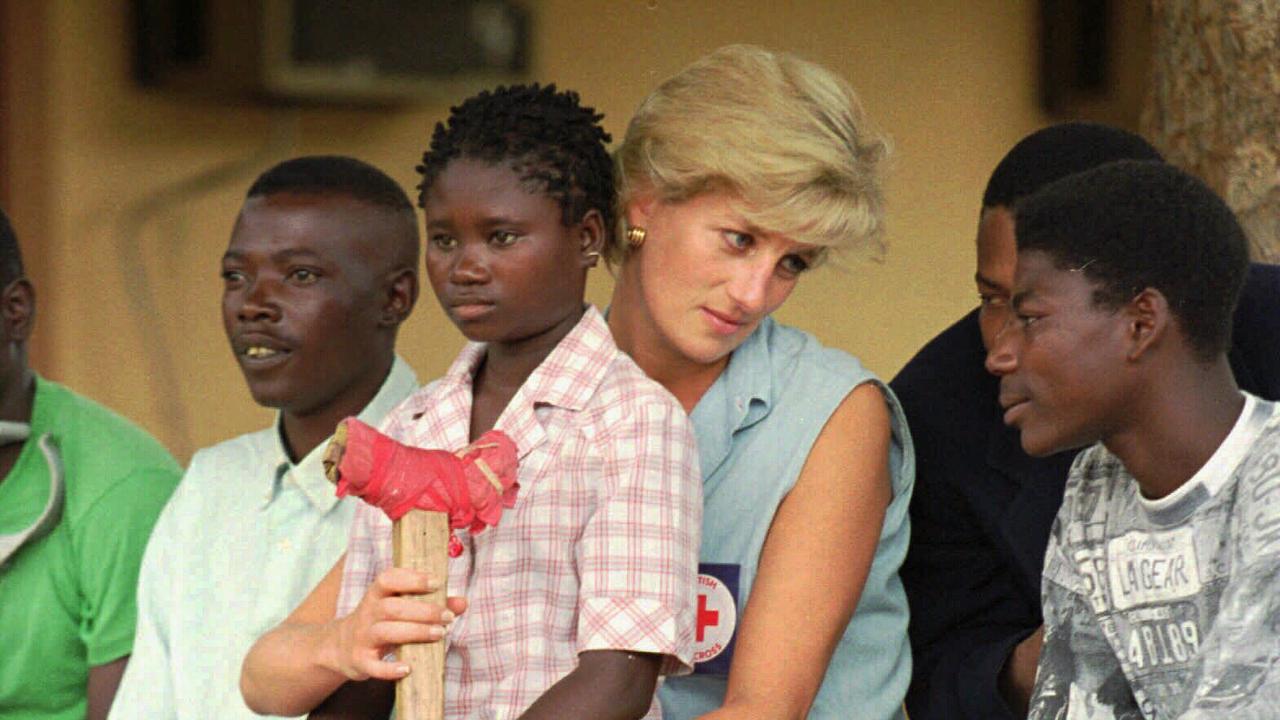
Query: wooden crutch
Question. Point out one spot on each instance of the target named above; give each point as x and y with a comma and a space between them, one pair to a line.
426, 494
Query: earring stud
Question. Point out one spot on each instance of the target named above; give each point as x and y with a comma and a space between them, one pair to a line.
635, 236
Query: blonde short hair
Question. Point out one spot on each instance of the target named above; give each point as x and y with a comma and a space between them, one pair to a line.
787, 137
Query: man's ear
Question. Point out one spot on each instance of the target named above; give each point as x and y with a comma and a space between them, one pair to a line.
18, 310
1147, 321
401, 293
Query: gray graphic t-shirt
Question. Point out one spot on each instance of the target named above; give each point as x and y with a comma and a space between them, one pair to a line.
1167, 608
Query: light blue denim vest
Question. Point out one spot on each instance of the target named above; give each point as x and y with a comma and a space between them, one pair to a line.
755, 427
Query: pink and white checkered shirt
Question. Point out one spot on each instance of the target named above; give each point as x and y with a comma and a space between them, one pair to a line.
600, 551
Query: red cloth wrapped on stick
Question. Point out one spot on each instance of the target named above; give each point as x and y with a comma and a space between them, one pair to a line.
472, 485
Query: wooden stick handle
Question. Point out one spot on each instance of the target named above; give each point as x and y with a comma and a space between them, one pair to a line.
420, 541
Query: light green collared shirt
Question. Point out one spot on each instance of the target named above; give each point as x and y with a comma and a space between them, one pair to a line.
244, 539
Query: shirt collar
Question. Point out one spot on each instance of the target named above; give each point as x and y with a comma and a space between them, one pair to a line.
566, 378
740, 397
308, 474
569, 375
1221, 465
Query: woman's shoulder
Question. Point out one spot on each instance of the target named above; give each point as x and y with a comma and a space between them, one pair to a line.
624, 398
794, 383
614, 380
812, 381
625, 387
406, 413
795, 355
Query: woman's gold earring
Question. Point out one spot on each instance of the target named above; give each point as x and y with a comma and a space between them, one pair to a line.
635, 236
593, 258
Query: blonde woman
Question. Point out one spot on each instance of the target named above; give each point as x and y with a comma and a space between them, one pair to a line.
737, 176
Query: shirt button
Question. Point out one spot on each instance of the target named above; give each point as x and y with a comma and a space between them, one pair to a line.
285, 545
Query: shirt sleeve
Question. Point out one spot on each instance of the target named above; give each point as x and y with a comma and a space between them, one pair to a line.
1077, 663
638, 554
968, 610
1054, 672
110, 538
1240, 675
368, 553
146, 690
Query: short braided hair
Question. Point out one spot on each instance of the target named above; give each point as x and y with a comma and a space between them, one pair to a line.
552, 141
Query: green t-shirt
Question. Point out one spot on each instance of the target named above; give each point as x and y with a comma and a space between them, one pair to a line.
67, 598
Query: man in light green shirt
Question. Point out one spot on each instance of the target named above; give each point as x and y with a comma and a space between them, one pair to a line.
319, 274
80, 488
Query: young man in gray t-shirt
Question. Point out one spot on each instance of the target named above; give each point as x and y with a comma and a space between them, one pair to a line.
1162, 580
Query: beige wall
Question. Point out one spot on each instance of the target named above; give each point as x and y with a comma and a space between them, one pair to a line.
139, 189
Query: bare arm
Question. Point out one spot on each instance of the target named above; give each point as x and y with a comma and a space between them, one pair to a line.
103, 681
817, 556
368, 700
284, 673
293, 668
607, 684
1018, 676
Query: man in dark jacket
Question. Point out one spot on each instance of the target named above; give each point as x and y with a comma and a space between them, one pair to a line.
982, 508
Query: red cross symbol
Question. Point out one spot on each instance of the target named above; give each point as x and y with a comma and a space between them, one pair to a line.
706, 618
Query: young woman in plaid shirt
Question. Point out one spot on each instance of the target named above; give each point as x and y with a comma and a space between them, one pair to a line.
583, 595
